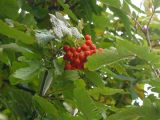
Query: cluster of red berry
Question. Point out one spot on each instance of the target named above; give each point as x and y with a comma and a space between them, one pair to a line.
76, 57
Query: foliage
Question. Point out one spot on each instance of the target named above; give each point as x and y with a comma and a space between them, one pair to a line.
33, 82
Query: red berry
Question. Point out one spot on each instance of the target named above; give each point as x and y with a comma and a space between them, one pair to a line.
93, 51
66, 48
80, 66
65, 57
77, 61
93, 47
89, 42
87, 37
72, 49
81, 56
78, 49
84, 47
67, 66
87, 53
69, 54
73, 67
71, 59
75, 54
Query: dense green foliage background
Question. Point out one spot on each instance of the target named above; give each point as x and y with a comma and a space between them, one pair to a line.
33, 83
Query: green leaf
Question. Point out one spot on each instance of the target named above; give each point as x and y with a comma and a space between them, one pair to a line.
15, 34
124, 18
113, 3
70, 75
149, 111
15, 47
84, 102
26, 73
143, 52
97, 91
4, 57
40, 13
100, 21
134, 6
29, 20
125, 49
106, 57
9, 9
94, 78
46, 106
18, 101
67, 10
156, 3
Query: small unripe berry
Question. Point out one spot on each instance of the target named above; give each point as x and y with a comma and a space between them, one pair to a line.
100, 49
144, 29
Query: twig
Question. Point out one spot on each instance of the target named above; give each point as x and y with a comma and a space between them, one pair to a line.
43, 82
19, 86
148, 38
147, 33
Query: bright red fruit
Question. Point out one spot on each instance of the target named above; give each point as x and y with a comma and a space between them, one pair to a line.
89, 42
81, 56
93, 47
66, 48
69, 54
87, 37
73, 67
76, 57
70, 58
87, 53
65, 57
75, 54
80, 66
78, 49
72, 49
84, 47
77, 62
68, 66
93, 51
